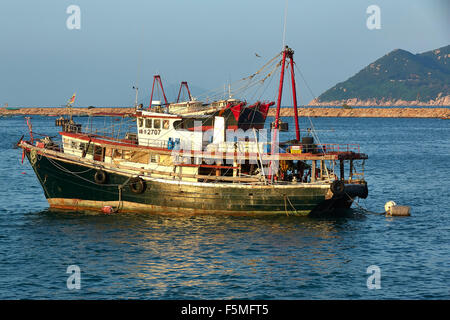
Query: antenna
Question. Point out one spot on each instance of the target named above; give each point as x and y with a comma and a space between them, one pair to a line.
285, 20
136, 99
139, 66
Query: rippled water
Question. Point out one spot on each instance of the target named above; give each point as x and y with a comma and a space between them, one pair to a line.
207, 257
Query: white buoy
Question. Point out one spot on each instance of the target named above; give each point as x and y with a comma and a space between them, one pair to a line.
392, 209
389, 205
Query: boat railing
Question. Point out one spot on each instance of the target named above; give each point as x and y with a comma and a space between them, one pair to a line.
153, 142
337, 148
327, 148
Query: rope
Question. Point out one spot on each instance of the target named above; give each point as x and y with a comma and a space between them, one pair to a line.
362, 208
285, 207
76, 174
119, 186
295, 210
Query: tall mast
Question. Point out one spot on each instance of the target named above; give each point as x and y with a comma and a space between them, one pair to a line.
280, 90
287, 53
294, 97
277, 116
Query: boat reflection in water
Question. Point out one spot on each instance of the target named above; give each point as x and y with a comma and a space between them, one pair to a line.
188, 254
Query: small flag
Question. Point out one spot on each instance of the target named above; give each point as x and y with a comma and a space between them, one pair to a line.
72, 100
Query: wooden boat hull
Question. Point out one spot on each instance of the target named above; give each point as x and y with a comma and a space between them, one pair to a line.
73, 187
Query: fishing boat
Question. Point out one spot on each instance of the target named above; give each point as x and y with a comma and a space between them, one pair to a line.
178, 163
7, 107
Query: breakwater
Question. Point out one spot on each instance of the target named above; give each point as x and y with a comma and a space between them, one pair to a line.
366, 112
52, 112
374, 112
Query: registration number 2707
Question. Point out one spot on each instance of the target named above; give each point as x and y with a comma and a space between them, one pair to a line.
150, 131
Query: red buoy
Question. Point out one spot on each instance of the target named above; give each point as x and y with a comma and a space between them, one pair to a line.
107, 209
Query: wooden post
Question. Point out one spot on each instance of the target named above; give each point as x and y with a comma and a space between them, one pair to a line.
351, 169
218, 170
313, 171
322, 168
341, 166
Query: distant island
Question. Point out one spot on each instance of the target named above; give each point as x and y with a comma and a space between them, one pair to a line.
399, 78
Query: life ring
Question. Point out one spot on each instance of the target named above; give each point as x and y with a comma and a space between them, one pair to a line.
137, 185
100, 177
337, 187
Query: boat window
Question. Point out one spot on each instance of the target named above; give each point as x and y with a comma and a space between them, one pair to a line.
99, 153
98, 150
74, 144
82, 145
179, 124
166, 124
148, 123
90, 149
141, 122
117, 154
157, 124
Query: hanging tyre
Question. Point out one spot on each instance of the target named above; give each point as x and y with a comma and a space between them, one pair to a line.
100, 177
365, 192
338, 187
137, 185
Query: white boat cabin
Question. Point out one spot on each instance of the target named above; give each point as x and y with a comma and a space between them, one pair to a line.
167, 131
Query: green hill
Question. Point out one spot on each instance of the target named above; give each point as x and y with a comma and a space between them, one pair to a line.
399, 75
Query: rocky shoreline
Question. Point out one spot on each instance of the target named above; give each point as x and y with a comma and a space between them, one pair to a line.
367, 112
371, 112
55, 112
440, 101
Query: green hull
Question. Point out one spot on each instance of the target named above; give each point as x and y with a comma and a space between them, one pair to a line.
72, 186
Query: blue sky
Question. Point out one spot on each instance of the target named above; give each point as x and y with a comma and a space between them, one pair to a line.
207, 43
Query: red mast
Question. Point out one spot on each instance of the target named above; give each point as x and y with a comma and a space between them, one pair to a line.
287, 53
157, 79
184, 83
294, 98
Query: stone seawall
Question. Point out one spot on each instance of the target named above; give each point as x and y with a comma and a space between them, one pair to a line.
64, 111
284, 112
367, 112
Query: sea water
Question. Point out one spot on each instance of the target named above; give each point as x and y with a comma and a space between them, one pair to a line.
144, 256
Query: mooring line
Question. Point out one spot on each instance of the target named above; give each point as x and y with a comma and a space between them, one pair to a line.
362, 208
